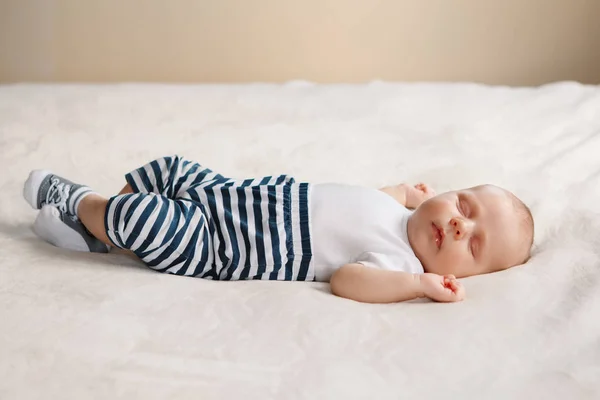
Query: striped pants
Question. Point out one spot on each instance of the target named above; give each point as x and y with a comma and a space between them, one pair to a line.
185, 219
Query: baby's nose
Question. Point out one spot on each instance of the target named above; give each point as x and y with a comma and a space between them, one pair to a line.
460, 228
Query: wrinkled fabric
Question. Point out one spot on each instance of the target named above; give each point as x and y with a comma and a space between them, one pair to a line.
76, 325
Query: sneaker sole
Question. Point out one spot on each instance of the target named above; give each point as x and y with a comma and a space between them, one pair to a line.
49, 215
32, 186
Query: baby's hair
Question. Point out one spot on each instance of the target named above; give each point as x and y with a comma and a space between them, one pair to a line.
527, 225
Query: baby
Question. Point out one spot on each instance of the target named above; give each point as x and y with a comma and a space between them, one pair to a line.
181, 218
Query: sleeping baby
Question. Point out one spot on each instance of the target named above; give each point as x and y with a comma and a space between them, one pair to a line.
181, 218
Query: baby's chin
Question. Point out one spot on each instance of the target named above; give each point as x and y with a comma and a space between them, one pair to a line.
428, 267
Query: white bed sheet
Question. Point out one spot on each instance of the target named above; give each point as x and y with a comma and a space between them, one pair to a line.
77, 326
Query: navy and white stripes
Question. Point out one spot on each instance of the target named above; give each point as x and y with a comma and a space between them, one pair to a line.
185, 219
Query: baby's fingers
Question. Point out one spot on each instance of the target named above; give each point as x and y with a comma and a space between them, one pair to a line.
448, 280
422, 187
460, 293
458, 290
455, 288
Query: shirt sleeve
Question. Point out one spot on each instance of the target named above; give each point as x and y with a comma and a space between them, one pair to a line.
383, 261
375, 260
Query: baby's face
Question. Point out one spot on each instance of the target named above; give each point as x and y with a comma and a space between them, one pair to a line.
468, 232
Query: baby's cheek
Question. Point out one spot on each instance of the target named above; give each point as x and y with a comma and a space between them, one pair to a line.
435, 207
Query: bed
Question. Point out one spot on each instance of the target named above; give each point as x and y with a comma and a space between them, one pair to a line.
76, 325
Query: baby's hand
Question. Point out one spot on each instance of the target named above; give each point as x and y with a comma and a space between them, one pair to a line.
441, 288
415, 195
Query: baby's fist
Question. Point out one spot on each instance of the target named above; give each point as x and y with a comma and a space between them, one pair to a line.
415, 195
441, 288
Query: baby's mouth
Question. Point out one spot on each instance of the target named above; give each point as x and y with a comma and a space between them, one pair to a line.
438, 235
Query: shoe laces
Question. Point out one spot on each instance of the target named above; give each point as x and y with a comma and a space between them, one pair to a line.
58, 194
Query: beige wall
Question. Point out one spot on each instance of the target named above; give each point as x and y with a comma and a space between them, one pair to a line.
518, 42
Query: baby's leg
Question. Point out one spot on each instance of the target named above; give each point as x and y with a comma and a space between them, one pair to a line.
44, 188
91, 212
66, 231
57, 223
170, 177
126, 189
167, 235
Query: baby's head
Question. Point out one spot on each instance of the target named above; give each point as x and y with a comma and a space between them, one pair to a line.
472, 231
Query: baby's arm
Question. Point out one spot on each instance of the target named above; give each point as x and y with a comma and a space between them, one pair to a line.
409, 196
372, 285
